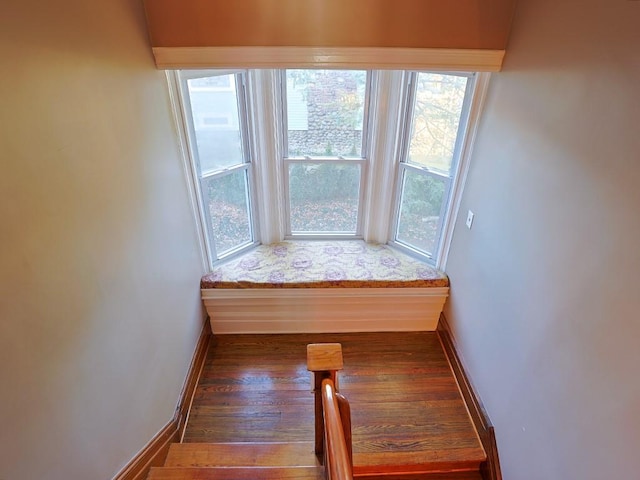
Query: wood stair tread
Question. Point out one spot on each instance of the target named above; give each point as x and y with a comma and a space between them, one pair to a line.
242, 454
407, 462
288, 473
410, 422
399, 457
424, 476
236, 473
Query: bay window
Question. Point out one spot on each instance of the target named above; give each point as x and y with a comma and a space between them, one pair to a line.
315, 131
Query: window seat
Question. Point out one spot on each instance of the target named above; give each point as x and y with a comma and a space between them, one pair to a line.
323, 286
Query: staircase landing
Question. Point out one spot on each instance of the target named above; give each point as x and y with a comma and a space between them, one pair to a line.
263, 461
407, 412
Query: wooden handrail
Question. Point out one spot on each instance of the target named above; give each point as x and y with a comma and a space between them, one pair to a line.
332, 411
337, 453
345, 416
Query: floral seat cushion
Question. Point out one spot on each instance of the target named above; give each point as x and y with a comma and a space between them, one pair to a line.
322, 264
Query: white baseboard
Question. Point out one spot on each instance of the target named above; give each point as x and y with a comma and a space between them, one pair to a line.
323, 310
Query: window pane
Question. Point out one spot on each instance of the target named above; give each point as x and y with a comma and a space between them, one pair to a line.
436, 117
420, 205
325, 112
216, 122
324, 197
226, 199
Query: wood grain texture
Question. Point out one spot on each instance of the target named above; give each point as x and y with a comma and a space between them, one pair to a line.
236, 473
407, 412
356, 23
345, 417
490, 469
324, 357
155, 452
337, 458
276, 454
462, 475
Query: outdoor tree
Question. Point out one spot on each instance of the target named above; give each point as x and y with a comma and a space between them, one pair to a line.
436, 117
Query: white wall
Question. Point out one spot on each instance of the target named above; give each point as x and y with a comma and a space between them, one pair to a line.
544, 301
99, 262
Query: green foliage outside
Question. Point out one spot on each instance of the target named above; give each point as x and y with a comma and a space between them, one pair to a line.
227, 200
420, 210
423, 195
324, 197
436, 117
324, 181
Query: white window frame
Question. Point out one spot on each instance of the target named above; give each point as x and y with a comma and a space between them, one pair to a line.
181, 78
459, 165
385, 141
362, 161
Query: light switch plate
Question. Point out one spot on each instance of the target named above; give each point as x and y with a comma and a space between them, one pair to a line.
470, 216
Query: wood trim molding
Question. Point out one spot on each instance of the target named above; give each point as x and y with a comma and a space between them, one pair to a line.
245, 293
490, 469
152, 455
193, 376
155, 452
449, 59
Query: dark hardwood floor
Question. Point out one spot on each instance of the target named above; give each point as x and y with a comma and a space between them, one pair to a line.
405, 403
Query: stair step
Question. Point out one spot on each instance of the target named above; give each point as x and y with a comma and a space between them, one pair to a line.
236, 473
285, 473
257, 454
423, 476
409, 458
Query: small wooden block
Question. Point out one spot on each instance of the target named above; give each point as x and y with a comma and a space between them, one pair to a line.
323, 357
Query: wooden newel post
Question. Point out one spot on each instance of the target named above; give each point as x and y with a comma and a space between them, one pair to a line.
324, 360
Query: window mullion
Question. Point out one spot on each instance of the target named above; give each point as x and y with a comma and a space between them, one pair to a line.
408, 121
387, 94
244, 117
284, 135
266, 127
286, 199
405, 128
364, 148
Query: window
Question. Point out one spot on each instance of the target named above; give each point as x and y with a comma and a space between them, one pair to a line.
340, 153
324, 150
217, 119
436, 113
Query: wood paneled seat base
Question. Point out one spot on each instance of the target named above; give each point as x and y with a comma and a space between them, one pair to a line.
321, 286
